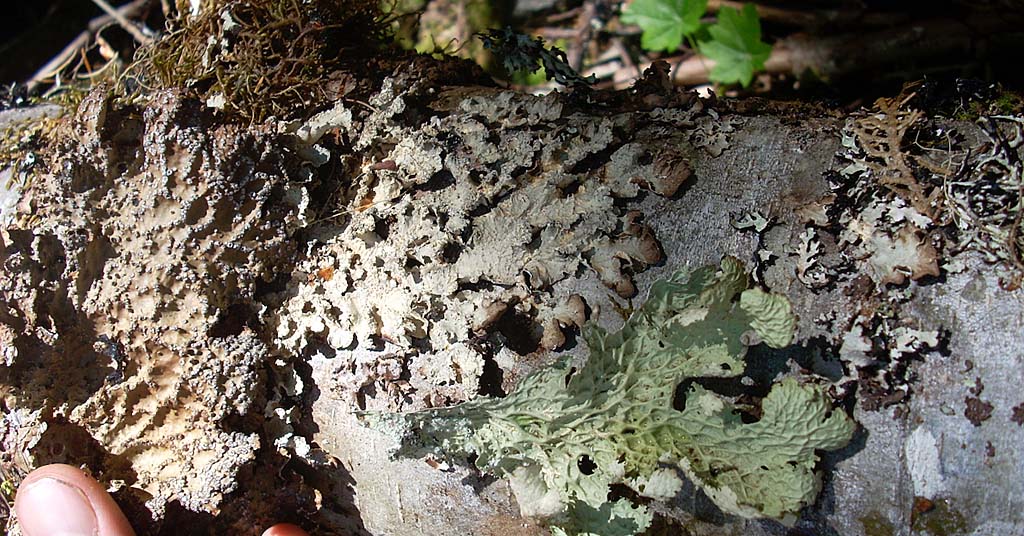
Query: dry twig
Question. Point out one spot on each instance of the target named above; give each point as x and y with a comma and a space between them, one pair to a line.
55, 66
123, 22
815, 18
834, 57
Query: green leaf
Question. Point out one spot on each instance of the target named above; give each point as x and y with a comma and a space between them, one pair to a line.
665, 22
736, 46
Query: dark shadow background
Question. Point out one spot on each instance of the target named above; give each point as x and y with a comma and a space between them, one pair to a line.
34, 31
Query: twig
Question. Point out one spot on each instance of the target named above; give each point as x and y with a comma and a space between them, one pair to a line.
624, 56
554, 33
565, 15
60, 61
64, 58
833, 57
814, 18
123, 22
583, 30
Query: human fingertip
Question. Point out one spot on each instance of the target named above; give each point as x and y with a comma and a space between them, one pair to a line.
52, 506
285, 529
61, 499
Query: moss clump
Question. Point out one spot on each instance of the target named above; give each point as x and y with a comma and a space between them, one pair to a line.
261, 58
1004, 103
22, 148
447, 27
875, 524
1008, 103
941, 519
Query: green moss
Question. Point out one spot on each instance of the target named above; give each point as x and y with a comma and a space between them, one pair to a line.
942, 520
876, 524
262, 58
1008, 103
22, 145
404, 17
973, 111
445, 27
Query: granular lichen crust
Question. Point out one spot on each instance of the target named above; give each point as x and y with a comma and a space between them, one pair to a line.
468, 214
167, 266
128, 311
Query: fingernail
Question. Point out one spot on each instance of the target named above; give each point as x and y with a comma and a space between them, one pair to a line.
49, 507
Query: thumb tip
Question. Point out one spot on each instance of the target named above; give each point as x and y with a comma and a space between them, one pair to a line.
59, 498
285, 529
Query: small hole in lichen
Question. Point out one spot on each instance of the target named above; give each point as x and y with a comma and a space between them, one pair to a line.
439, 181
196, 211
450, 252
233, 320
535, 240
381, 229
492, 378
679, 397
586, 465
748, 418
521, 334
480, 210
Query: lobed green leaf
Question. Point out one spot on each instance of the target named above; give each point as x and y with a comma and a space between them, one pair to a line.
665, 22
736, 46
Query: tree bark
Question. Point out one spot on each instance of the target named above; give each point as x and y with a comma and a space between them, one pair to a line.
197, 309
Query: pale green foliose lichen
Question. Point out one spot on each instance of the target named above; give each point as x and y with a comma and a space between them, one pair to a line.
564, 436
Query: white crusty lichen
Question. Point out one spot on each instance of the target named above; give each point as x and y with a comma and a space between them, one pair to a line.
565, 435
878, 354
892, 205
128, 304
10, 193
891, 237
165, 264
986, 203
471, 213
